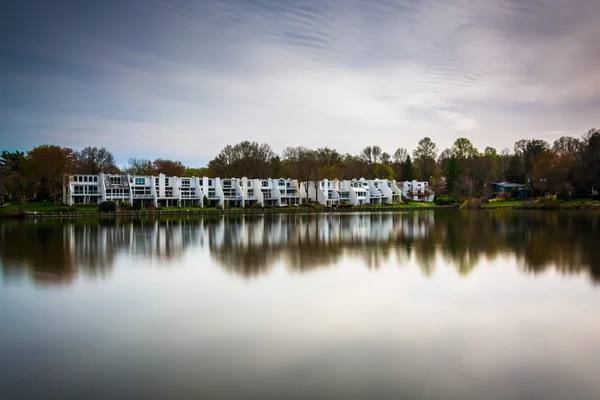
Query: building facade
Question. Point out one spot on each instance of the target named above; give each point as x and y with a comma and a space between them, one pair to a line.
417, 191
172, 191
354, 192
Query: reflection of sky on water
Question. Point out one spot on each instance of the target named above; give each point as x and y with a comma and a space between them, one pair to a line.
435, 315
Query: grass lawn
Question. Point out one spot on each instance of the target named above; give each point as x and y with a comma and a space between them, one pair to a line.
45, 206
502, 204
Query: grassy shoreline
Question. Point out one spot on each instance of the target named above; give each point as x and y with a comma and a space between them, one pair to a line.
49, 208
543, 204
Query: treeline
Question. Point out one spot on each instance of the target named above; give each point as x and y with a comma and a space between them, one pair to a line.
569, 165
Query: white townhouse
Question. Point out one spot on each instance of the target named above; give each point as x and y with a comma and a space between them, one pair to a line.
172, 191
355, 192
323, 192
276, 192
417, 191
162, 190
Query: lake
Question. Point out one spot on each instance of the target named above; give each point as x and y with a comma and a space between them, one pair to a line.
406, 305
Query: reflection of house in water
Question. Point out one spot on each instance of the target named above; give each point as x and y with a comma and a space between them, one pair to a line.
52, 252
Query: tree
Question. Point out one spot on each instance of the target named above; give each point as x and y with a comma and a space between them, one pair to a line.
407, 170
452, 175
567, 145
550, 172
386, 159
354, 167
47, 165
514, 172
530, 151
587, 164
301, 163
381, 171
463, 149
490, 151
141, 166
503, 162
14, 183
199, 172
248, 159
169, 167
371, 154
400, 155
425, 155
329, 163
93, 161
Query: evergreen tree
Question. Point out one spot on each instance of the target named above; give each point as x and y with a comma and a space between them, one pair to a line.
407, 170
452, 175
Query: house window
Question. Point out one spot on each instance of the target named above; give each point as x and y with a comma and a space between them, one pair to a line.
140, 181
95, 179
265, 183
210, 182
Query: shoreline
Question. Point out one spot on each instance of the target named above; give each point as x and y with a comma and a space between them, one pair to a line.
240, 211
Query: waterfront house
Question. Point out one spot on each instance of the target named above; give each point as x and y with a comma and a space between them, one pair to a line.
172, 191
517, 190
417, 191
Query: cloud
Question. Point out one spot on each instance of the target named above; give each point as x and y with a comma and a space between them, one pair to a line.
186, 78
458, 121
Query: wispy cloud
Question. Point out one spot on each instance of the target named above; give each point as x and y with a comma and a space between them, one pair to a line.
184, 78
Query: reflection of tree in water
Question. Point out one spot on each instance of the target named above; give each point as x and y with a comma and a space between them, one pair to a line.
564, 241
55, 252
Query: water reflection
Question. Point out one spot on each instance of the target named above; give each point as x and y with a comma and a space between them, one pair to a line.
51, 252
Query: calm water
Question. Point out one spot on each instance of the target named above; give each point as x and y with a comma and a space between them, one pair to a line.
454, 305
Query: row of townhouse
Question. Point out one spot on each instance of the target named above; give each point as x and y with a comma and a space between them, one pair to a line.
171, 191
366, 191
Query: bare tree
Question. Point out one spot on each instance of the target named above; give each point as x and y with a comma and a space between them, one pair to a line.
140, 166
371, 154
400, 155
93, 160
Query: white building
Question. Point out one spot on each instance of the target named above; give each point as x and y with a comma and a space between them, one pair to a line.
354, 192
417, 191
172, 191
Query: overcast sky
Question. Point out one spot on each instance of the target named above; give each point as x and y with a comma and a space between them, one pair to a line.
181, 79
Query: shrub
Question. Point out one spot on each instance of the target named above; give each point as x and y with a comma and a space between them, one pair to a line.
107, 206
345, 206
444, 200
126, 205
136, 206
471, 204
205, 202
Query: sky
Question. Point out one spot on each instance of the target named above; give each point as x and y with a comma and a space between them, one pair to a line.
181, 79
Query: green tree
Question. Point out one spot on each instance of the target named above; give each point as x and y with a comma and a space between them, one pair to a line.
381, 171
425, 158
14, 182
452, 175
407, 170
